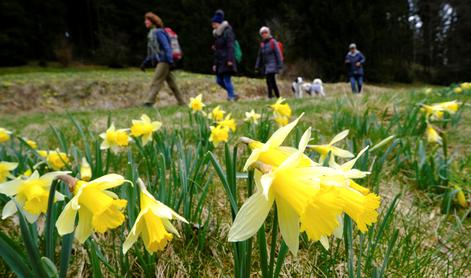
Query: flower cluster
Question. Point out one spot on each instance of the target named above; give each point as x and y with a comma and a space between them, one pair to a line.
309, 197
281, 112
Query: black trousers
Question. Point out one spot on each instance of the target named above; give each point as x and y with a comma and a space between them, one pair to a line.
271, 84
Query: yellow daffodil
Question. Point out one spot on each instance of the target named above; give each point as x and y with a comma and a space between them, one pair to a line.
432, 135
252, 117
229, 123
196, 103
461, 197
303, 205
98, 208
458, 90
32, 144
28, 173
113, 138
436, 111
85, 170
218, 135
466, 85
56, 160
280, 108
144, 127
323, 150
271, 152
217, 114
152, 224
281, 121
5, 168
428, 91
31, 194
4, 135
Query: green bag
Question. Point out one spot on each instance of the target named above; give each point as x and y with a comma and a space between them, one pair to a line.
237, 51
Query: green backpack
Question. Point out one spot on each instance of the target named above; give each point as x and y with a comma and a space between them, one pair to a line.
237, 50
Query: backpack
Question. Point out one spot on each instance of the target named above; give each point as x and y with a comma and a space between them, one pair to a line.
237, 49
177, 52
272, 45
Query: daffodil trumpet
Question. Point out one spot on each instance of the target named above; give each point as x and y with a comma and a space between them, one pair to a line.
98, 208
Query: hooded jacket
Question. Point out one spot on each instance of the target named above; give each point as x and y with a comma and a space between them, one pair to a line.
224, 38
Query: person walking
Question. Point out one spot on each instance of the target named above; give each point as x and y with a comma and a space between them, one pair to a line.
224, 61
355, 61
269, 60
159, 54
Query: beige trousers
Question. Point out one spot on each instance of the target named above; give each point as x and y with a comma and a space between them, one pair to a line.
162, 74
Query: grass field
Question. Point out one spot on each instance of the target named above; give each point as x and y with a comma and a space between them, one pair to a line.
422, 230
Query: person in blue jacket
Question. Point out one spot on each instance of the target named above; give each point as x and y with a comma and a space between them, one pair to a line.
355, 62
159, 54
224, 61
269, 60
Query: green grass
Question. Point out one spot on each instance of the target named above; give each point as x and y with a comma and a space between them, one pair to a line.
428, 242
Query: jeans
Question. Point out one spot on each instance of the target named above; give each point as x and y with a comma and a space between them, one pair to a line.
271, 84
357, 82
224, 80
163, 74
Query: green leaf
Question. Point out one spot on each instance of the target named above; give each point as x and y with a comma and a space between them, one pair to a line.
49, 268
13, 257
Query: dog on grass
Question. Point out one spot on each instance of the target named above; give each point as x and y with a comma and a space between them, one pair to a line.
299, 87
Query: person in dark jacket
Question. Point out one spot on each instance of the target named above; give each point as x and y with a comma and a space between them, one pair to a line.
355, 61
159, 54
224, 61
269, 60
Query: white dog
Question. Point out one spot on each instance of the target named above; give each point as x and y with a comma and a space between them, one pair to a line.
299, 87
317, 87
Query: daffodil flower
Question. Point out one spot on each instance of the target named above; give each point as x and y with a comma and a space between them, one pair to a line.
323, 150
465, 85
281, 120
85, 170
271, 152
281, 109
152, 224
458, 90
56, 160
113, 138
432, 135
98, 208
461, 197
303, 205
436, 110
5, 168
217, 114
196, 103
4, 135
32, 144
31, 194
252, 117
229, 123
218, 134
144, 127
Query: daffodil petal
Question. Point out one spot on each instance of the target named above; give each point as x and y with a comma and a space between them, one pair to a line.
107, 182
341, 153
280, 135
349, 164
325, 242
289, 225
9, 209
132, 237
252, 158
250, 217
304, 140
339, 137
84, 228
10, 188
66, 222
